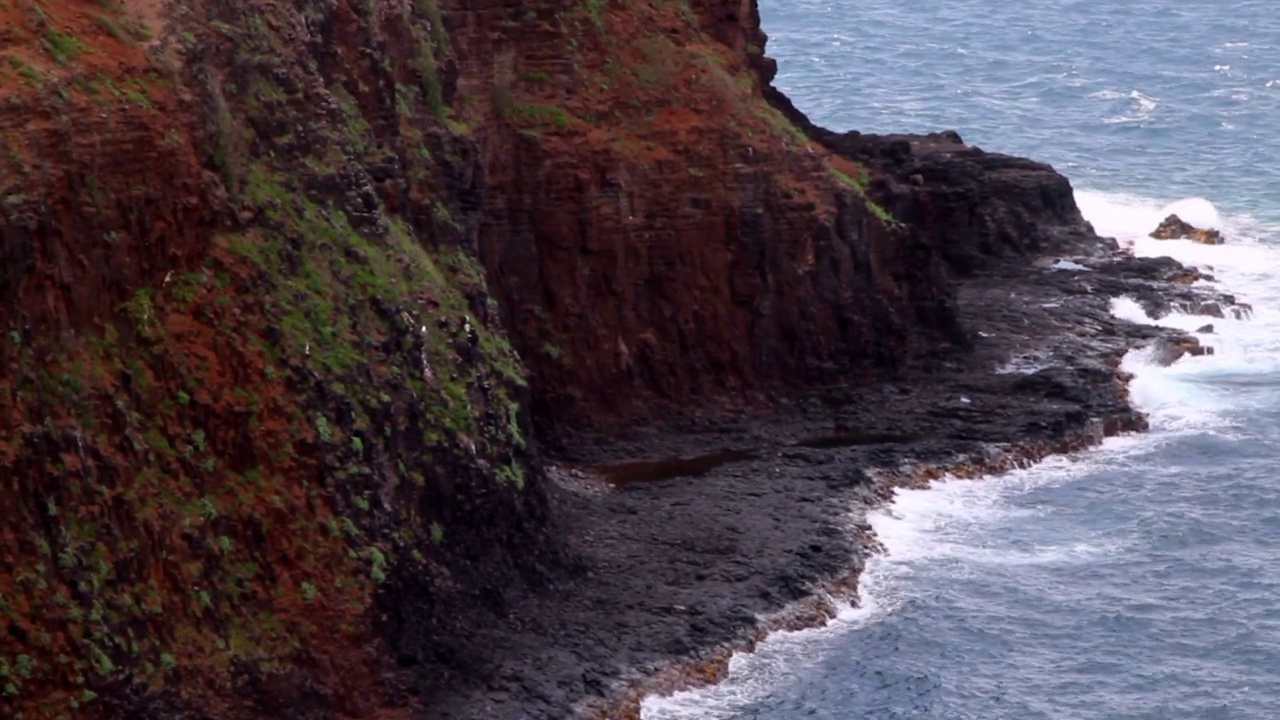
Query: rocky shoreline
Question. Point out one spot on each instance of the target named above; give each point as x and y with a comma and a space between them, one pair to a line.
695, 536
487, 360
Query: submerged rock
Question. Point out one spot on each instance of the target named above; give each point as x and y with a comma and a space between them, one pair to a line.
1175, 228
1167, 351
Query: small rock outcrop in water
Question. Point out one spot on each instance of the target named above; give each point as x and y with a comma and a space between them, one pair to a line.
1167, 351
1175, 228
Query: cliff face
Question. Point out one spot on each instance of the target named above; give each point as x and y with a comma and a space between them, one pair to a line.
652, 229
259, 410
283, 282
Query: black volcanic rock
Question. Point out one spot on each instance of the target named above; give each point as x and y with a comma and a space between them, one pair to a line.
681, 564
1175, 228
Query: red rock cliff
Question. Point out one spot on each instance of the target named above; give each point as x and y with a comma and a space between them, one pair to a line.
280, 282
653, 229
259, 411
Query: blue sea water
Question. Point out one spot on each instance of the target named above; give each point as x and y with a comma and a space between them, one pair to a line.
1140, 579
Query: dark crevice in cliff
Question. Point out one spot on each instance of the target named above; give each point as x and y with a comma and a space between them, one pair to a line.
644, 471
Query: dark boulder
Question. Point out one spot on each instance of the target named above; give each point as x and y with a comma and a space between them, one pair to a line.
1175, 228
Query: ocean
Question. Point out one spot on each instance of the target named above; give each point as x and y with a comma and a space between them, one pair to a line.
1139, 579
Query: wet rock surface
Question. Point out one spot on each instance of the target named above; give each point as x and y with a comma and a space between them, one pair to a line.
1175, 228
690, 529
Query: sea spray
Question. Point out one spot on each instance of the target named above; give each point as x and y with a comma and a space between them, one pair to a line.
939, 529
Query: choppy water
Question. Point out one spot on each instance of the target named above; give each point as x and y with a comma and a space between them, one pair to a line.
1137, 580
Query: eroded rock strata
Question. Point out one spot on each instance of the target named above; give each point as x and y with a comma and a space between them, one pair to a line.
482, 359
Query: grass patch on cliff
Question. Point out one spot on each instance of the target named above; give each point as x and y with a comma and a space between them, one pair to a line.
430, 9
123, 28
859, 185
780, 124
662, 62
595, 11
432, 49
188, 596
327, 300
881, 213
62, 47
218, 478
25, 71
538, 115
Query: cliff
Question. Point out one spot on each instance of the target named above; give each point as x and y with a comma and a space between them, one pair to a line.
286, 288
262, 428
654, 230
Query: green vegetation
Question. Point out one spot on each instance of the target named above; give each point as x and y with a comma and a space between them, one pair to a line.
25, 71
595, 11
859, 184
273, 410
433, 46
62, 47
142, 311
880, 212
123, 28
661, 62
541, 115
779, 122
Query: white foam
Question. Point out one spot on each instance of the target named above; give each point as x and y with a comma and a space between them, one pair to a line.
1129, 216
1021, 366
948, 527
1246, 265
940, 522
920, 526
777, 660
1139, 106
1191, 396
1068, 265
1174, 399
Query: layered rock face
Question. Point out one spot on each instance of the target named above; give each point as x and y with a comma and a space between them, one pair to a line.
262, 432
654, 230
283, 283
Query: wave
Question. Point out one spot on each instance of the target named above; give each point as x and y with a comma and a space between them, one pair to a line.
1133, 106
931, 525
1210, 393
948, 527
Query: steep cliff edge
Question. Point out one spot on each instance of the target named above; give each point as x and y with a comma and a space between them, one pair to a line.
259, 413
655, 231
285, 286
